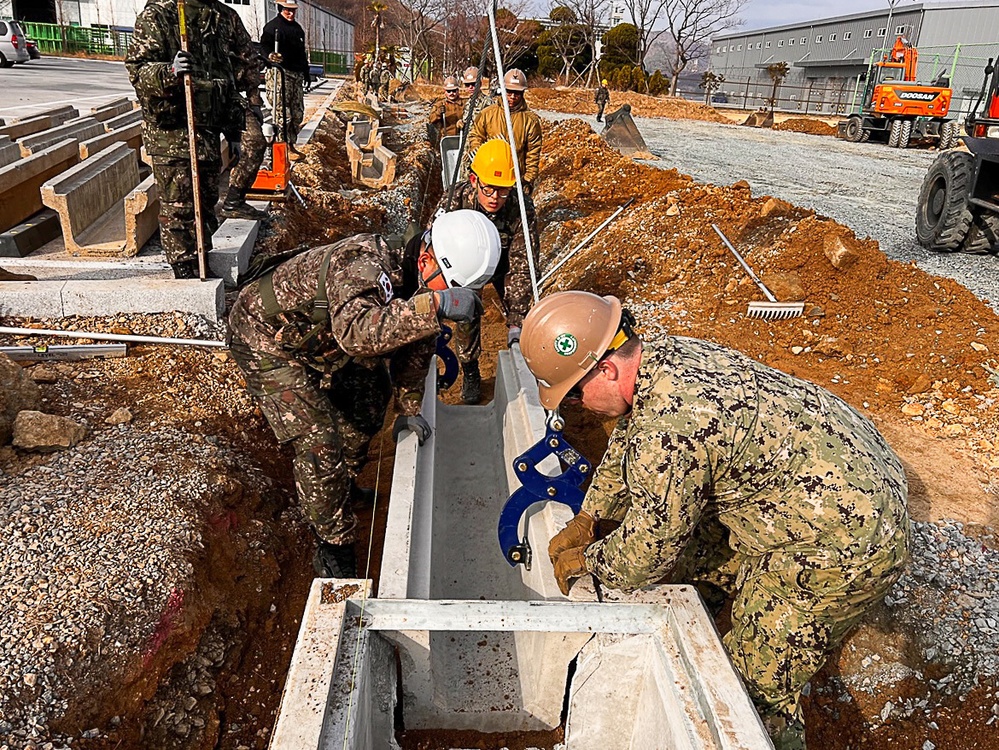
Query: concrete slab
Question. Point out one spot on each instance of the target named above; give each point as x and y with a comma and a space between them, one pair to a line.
232, 246
55, 265
20, 181
81, 130
102, 207
31, 299
123, 121
205, 298
129, 134
30, 235
9, 151
39, 122
112, 109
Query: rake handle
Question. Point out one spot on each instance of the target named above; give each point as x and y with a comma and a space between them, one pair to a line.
745, 265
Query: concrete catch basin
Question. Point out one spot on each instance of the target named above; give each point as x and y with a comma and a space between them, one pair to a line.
458, 639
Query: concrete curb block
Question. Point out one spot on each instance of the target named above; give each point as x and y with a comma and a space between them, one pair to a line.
21, 181
29, 235
232, 245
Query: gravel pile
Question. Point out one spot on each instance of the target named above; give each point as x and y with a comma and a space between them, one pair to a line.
869, 187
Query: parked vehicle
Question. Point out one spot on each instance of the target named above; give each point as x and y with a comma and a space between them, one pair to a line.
13, 47
719, 98
33, 52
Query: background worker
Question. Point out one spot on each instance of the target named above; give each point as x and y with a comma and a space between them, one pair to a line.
476, 100
283, 41
601, 98
445, 114
726, 473
325, 338
362, 76
489, 190
491, 123
252, 146
220, 63
383, 82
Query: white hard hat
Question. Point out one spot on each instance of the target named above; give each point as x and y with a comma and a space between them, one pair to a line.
467, 247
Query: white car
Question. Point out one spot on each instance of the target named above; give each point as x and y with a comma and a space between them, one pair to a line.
13, 44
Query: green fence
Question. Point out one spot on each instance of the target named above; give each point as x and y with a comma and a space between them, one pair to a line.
54, 39
334, 63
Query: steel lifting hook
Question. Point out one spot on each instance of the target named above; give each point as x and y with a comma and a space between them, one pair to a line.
450, 361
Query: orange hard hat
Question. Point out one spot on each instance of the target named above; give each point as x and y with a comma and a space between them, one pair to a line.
565, 335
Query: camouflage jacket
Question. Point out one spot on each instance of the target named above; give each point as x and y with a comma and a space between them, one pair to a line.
513, 257
602, 96
475, 104
796, 475
446, 116
376, 309
225, 60
491, 123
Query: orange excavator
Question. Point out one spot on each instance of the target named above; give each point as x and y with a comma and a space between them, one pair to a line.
897, 109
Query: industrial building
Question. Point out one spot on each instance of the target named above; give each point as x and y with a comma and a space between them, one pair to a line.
829, 57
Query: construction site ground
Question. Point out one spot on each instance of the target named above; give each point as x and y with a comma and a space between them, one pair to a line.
155, 573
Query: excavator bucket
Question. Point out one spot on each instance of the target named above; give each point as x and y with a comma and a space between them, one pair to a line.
761, 119
621, 132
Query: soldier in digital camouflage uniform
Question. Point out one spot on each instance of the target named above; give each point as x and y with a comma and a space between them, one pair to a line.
252, 146
726, 472
324, 338
221, 63
477, 101
383, 85
489, 190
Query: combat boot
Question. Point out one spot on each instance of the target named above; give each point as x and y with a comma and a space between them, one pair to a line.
185, 269
236, 207
334, 560
471, 383
361, 497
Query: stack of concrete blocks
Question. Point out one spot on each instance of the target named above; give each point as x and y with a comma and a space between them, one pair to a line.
103, 208
36, 123
371, 164
122, 124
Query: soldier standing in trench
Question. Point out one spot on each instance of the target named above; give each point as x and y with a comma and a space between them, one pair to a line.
489, 190
325, 338
252, 146
445, 114
283, 41
220, 62
733, 476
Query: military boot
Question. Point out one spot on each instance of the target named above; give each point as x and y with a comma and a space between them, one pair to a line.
236, 207
471, 383
334, 560
185, 269
361, 497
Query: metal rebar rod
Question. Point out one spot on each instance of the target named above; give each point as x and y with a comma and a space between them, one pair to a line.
127, 338
585, 241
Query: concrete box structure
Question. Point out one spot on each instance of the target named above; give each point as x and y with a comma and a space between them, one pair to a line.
80, 129
130, 135
20, 181
42, 121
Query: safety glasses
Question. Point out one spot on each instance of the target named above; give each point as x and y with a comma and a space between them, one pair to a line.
491, 190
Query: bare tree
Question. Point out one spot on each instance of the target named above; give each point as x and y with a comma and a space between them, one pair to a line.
590, 15
778, 72
419, 18
566, 38
710, 82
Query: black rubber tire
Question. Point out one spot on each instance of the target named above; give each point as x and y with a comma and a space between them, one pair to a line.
4, 62
905, 133
942, 214
865, 136
853, 130
983, 235
948, 135
894, 133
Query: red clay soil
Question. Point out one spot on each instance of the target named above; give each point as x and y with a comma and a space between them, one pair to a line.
806, 125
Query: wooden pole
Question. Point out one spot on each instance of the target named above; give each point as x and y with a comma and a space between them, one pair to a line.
199, 227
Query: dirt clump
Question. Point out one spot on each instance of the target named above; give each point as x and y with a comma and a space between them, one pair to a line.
806, 125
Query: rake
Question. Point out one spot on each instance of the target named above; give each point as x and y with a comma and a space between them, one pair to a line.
772, 309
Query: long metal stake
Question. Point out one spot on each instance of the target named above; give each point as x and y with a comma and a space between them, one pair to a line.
583, 244
199, 227
128, 338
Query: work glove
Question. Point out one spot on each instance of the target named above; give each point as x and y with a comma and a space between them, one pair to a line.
183, 64
512, 336
275, 57
581, 531
459, 304
569, 566
417, 424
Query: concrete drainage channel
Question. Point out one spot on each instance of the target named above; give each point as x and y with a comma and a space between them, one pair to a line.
457, 639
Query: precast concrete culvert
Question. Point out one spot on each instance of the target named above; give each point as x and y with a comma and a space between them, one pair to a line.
458, 640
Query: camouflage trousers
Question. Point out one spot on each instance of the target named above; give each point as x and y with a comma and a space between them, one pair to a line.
253, 145
790, 611
173, 178
329, 429
287, 118
515, 293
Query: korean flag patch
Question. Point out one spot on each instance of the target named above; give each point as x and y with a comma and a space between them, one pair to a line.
386, 284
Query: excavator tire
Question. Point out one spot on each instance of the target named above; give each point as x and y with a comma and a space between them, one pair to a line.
865, 136
854, 130
894, 133
948, 135
905, 133
942, 214
983, 234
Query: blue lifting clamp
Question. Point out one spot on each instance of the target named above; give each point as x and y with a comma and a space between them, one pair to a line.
566, 487
447, 357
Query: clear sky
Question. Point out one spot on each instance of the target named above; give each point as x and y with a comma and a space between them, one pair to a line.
760, 13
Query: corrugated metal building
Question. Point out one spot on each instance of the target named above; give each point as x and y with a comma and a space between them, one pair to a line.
828, 58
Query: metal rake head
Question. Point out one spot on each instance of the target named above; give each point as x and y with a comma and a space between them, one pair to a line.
775, 310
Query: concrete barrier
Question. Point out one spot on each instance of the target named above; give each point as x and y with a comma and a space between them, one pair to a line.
9, 151
112, 109
38, 122
80, 129
130, 134
103, 208
123, 121
29, 235
21, 180
375, 169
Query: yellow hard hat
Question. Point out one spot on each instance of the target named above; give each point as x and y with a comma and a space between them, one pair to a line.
604, 82
493, 163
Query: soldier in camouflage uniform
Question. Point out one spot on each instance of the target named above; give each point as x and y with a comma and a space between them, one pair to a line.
324, 338
283, 41
252, 146
489, 190
723, 471
374, 79
362, 76
221, 64
477, 101
383, 84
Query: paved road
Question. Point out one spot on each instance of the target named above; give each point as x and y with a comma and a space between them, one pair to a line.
54, 81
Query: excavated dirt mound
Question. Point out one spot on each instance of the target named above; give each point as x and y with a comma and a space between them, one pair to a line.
805, 125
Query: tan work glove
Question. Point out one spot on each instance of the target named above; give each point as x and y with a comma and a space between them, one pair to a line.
570, 565
581, 531
276, 57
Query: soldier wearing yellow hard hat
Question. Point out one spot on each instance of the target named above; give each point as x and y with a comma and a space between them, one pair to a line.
601, 98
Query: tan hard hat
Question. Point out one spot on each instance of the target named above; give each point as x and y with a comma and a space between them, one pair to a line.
450, 83
515, 80
563, 338
470, 75
293, 4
